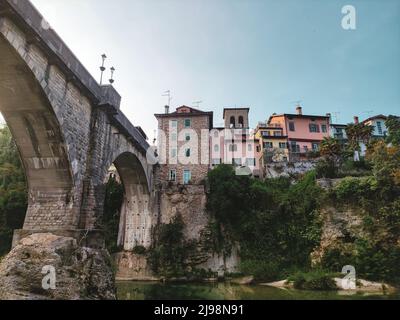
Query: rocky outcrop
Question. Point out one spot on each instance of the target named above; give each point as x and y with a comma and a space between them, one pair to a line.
28, 271
287, 169
339, 228
133, 266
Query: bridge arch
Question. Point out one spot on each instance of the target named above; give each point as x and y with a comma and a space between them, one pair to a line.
136, 209
36, 129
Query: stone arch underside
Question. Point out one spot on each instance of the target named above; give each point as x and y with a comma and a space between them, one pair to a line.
136, 211
37, 133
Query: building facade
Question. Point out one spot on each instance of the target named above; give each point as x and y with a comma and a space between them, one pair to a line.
235, 143
183, 144
304, 132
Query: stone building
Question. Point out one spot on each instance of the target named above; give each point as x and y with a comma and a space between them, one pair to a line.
183, 145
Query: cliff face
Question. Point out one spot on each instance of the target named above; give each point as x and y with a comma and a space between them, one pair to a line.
188, 201
339, 229
46, 266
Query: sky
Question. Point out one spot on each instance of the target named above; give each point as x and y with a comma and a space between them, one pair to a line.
262, 54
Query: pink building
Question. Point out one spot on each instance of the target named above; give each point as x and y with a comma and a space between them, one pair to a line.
304, 132
235, 143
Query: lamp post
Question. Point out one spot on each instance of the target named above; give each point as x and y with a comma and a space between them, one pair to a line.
112, 75
102, 68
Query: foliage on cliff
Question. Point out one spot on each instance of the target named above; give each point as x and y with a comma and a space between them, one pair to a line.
13, 193
275, 222
112, 210
170, 253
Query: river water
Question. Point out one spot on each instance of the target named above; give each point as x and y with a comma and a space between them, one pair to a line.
136, 290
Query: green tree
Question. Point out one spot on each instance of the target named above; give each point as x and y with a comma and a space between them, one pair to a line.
13, 192
357, 133
393, 125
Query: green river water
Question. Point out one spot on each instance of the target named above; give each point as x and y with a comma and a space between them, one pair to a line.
136, 290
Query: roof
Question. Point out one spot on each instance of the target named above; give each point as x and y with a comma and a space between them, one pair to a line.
293, 115
192, 113
338, 125
379, 116
225, 109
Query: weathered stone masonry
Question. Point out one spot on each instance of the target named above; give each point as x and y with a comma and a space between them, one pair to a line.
68, 130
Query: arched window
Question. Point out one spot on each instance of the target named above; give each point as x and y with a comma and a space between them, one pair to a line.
216, 148
241, 124
232, 122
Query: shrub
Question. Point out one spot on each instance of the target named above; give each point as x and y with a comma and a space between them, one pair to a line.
261, 270
313, 280
326, 169
139, 250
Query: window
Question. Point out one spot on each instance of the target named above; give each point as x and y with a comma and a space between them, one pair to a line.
187, 136
315, 146
188, 123
268, 145
282, 145
173, 137
277, 133
323, 128
250, 147
232, 122
216, 134
251, 162
305, 148
187, 152
379, 126
237, 161
314, 127
215, 162
232, 147
172, 175
174, 123
173, 153
339, 130
291, 126
258, 148
216, 148
241, 123
294, 147
187, 176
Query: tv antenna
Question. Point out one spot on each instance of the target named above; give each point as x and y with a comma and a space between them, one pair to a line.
336, 116
298, 102
168, 94
368, 112
197, 103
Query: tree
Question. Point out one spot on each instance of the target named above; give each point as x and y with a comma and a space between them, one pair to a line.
356, 134
393, 125
331, 148
13, 193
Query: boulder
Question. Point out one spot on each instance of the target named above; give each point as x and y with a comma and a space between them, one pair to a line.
44, 266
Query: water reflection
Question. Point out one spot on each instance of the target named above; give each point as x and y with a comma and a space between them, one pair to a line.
225, 291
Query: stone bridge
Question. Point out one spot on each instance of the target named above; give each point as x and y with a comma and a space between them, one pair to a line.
69, 131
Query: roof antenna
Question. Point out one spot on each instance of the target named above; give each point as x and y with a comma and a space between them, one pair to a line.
102, 68
336, 116
168, 94
197, 103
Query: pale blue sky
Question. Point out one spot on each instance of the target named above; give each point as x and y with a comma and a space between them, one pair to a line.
260, 54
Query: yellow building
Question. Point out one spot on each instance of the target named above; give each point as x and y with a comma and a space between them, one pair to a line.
272, 143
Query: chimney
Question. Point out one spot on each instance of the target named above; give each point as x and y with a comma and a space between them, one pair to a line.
166, 109
329, 117
356, 120
299, 110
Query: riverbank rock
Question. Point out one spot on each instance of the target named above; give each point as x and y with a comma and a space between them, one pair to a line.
368, 286
243, 280
80, 272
